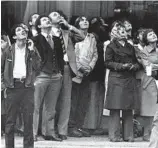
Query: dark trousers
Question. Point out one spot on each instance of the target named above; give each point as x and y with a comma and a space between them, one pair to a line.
95, 110
2, 112
154, 132
115, 124
64, 102
147, 124
79, 103
19, 97
47, 89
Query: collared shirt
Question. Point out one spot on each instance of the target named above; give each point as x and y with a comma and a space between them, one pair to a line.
56, 32
46, 35
34, 32
19, 70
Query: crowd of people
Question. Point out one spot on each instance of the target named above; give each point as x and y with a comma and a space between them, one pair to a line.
57, 78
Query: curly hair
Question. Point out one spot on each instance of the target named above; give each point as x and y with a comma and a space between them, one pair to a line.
38, 22
13, 30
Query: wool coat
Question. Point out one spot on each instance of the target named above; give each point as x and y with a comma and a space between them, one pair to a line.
149, 91
121, 93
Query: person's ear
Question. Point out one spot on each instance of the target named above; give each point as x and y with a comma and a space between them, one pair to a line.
137, 37
15, 37
30, 23
39, 26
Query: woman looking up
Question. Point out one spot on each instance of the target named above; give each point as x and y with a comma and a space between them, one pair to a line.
121, 94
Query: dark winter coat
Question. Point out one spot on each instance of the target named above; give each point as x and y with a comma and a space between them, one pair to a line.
121, 93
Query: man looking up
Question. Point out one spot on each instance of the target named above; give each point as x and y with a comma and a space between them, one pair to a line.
18, 65
32, 21
48, 82
67, 36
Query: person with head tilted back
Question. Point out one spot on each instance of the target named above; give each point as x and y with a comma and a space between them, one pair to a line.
94, 116
120, 59
48, 81
148, 57
32, 22
19, 63
66, 35
86, 57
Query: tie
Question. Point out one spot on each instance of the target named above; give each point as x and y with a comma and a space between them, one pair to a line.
62, 42
50, 41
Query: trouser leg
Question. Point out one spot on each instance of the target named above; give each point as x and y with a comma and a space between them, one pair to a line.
3, 118
74, 104
90, 121
12, 106
127, 124
64, 103
114, 124
41, 85
83, 102
154, 133
50, 101
19, 126
27, 110
100, 94
95, 109
2, 112
147, 126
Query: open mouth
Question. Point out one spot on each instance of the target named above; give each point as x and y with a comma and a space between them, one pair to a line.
85, 24
129, 30
23, 34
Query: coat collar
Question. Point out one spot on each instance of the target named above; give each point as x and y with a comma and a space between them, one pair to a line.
149, 48
126, 49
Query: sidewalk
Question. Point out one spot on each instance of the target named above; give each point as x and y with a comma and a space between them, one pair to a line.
90, 142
